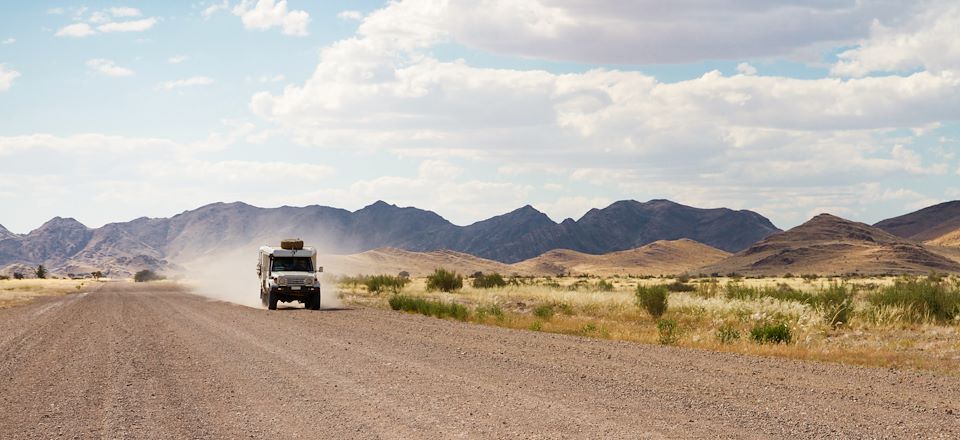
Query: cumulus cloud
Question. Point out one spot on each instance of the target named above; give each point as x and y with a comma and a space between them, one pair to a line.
187, 82
350, 15
177, 59
108, 67
927, 40
642, 31
76, 30
8, 41
128, 26
104, 21
214, 8
266, 14
715, 137
746, 69
6, 77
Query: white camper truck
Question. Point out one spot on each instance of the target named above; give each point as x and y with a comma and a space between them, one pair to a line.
289, 273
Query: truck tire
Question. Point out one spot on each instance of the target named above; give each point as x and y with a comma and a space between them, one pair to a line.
314, 303
272, 301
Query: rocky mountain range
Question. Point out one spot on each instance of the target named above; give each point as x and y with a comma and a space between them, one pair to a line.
67, 246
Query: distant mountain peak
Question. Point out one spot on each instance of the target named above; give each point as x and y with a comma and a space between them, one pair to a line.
62, 222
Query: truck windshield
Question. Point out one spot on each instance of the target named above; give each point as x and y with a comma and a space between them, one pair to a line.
292, 264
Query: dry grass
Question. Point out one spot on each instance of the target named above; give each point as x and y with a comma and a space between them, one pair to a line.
875, 336
16, 292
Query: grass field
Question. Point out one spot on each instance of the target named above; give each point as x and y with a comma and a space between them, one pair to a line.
16, 292
879, 321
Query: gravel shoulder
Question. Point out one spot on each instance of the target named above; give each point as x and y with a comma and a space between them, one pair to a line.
138, 362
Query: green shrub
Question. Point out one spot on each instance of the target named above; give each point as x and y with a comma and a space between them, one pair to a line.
727, 333
771, 333
145, 276
41, 272
490, 310
782, 292
444, 281
668, 330
921, 299
543, 311
429, 307
653, 299
536, 326
383, 283
481, 281
836, 304
678, 286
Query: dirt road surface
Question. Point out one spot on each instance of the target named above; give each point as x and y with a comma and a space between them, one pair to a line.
126, 363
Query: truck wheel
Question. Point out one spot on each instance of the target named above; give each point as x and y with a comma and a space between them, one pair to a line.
272, 301
314, 302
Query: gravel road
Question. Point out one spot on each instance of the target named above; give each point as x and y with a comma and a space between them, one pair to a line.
134, 362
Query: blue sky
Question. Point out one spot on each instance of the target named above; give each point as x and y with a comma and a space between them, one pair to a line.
116, 110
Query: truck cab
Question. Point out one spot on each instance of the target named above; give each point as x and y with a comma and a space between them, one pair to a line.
289, 273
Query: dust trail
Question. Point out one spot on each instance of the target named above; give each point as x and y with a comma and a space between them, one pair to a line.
232, 276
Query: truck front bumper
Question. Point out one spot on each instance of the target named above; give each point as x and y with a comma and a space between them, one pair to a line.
295, 290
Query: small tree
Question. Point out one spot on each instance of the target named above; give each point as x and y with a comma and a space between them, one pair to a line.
145, 276
488, 281
444, 281
17, 275
41, 272
96, 275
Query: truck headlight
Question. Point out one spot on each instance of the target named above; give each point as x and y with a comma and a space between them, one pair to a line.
282, 281
308, 281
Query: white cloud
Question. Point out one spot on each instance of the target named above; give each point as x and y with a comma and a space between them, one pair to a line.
107, 67
926, 40
103, 21
640, 31
714, 139
266, 14
56, 11
6, 78
177, 59
128, 26
99, 17
350, 15
746, 69
8, 41
76, 30
209, 11
187, 82
125, 12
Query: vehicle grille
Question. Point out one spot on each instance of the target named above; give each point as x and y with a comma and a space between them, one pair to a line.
295, 281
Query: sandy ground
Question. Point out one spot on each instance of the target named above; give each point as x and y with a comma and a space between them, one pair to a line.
156, 363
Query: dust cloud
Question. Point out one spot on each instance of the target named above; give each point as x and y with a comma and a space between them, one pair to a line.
232, 276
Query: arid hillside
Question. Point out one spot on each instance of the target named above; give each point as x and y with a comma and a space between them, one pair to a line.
830, 245
929, 223
393, 261
661, 257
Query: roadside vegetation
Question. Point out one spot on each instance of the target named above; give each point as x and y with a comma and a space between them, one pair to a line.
906, 322
18, 291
